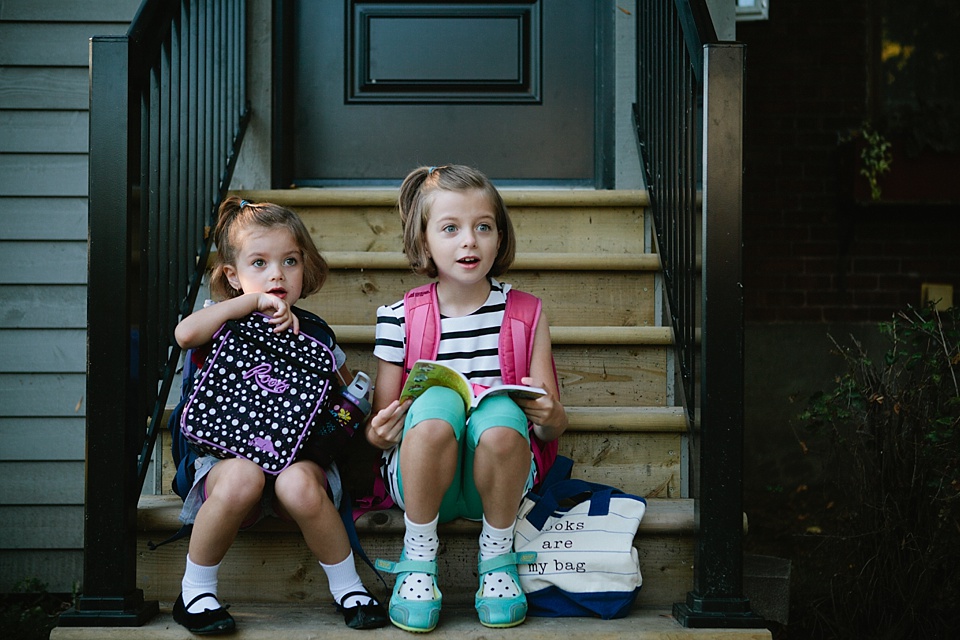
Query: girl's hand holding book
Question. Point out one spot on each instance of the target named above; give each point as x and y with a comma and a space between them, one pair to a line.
546, 412
386, 426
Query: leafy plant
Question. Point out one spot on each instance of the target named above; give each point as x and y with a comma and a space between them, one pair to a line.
29, 612
876, 157
893, 428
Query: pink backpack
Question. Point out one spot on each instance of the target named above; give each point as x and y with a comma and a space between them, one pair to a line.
422, 311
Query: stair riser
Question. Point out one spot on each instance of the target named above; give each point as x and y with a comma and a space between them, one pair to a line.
590, 376
570, 298
278, 567
644, 464
539, 229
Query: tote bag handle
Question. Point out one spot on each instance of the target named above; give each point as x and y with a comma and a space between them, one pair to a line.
599, 496
559, 471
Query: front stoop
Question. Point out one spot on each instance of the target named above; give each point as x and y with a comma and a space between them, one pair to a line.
586, 254
290, 622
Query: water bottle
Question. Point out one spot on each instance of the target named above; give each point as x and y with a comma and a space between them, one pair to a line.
344, 413
352, 407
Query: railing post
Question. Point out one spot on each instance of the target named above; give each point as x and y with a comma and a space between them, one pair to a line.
109, 594
717, 598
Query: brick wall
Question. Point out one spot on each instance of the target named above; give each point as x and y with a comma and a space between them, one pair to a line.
811, 254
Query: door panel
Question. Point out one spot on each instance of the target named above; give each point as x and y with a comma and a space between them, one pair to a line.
378, 88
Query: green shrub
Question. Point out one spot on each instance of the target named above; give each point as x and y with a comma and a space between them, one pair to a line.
893, 429
29, 612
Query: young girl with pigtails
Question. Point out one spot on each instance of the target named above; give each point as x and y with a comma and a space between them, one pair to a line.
266, 261
438, 463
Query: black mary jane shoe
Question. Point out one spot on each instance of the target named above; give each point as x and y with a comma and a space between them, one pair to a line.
206, 623
363, 616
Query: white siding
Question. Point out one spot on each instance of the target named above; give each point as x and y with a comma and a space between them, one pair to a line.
44, 84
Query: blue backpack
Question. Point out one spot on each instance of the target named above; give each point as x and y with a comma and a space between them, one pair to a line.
182, 454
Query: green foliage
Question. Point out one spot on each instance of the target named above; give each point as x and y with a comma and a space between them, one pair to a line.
876, 158
29, 612
894, 433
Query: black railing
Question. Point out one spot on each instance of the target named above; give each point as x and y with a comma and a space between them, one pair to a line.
167, 113
689, 117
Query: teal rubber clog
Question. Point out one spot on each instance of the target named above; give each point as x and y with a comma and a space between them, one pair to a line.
415, 616
501, 613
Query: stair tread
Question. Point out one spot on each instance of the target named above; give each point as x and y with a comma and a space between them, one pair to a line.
302, 622
512, 197
545, 260
663, 516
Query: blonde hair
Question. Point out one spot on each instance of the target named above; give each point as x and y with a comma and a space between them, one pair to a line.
416, 196
235, 214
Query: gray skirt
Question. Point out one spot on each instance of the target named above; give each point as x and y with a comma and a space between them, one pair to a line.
203, 465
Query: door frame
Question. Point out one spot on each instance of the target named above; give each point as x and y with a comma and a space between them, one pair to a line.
281, 170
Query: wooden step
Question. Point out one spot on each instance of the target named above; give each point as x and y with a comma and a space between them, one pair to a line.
584, 221
523, 261
634, 448
591, 335
570, 298
380, 197
271, 563
590, 375
311, 621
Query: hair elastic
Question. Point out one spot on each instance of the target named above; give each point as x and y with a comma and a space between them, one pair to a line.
243, 203
431, 170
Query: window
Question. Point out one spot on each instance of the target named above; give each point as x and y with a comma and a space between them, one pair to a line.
753, 9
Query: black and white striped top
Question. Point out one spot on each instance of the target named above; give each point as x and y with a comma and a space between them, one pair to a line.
469, 344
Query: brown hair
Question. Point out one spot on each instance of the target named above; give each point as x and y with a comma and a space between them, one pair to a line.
416, 196
235, 214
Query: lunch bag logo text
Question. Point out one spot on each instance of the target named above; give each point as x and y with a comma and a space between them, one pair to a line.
261, 375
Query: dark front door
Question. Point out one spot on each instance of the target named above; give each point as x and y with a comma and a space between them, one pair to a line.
370, 90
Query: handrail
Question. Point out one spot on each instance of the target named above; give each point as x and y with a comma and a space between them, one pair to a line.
168, 109
689, 116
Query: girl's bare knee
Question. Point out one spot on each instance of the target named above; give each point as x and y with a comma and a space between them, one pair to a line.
502, 442
239, 483
301, 488
430, 433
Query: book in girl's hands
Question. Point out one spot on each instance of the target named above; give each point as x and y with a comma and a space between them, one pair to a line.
429, 373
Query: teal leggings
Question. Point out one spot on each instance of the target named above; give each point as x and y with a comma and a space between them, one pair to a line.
439, 403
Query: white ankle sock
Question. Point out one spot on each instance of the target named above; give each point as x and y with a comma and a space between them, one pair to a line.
198, 579
497, 542
343, 579
420, 542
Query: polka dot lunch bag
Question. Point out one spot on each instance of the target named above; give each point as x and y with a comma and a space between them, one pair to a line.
258, 393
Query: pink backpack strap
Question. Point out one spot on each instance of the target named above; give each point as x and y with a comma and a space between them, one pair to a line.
421, 311
422, 329
380, 499
517, 334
